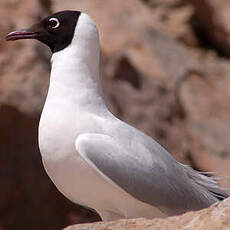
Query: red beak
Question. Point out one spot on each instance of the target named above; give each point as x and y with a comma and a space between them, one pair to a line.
21, 34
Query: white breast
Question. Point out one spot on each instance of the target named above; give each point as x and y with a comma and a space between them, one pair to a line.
83, 185
58, 129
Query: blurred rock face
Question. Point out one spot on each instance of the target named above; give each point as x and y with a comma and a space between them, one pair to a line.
214, 20
158, 75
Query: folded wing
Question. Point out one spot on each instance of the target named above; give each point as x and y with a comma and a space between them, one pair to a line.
149, 173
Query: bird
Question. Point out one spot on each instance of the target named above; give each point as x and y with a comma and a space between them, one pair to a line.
93, 158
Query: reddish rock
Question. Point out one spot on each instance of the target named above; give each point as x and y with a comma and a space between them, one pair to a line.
214, 18
215, 218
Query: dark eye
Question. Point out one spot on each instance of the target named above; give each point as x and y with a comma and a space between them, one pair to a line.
54, 23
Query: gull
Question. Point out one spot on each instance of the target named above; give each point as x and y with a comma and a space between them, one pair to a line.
93, 158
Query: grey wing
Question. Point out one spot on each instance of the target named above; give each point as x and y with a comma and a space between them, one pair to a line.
151, 177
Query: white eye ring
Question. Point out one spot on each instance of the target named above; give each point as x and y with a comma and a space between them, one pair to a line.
54, 20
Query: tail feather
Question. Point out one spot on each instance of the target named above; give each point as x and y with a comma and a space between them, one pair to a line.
208, 182
221, 196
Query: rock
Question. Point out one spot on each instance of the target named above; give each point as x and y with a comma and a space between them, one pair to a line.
215, 217
24, 78
214, 18
205, 99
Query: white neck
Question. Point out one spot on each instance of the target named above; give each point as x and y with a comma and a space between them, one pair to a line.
75, 69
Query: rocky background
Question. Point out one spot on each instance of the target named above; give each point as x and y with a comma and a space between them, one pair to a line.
165, 68
214, 218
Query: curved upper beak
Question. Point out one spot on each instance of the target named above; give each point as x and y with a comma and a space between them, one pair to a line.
21, 34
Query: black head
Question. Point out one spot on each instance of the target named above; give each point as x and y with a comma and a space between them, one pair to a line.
56, 31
